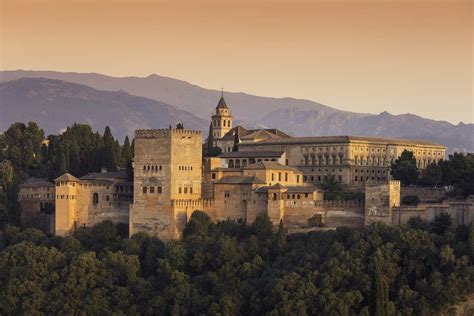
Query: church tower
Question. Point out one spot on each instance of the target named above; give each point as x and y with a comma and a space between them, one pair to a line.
221, 120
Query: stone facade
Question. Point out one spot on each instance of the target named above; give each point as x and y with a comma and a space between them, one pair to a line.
91, 199
37, 199
167, 180
353, 161
271, 173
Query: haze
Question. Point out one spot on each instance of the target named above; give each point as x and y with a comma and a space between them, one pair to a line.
399, 56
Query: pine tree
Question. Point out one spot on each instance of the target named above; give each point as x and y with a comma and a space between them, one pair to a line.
109, 156
379, 304
210, 142
281, 242
126, 151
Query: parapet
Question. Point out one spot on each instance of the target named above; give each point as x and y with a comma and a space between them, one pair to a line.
154, 133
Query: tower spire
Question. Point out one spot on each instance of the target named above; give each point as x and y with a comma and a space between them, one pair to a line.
222, 91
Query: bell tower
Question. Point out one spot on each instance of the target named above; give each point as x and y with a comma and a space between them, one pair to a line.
221, 119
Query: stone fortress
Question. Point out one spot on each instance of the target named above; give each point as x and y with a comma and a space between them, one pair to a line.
259, 171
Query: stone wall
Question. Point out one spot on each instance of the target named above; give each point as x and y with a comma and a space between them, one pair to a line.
167, 168
425, 194
380, 199
462, 213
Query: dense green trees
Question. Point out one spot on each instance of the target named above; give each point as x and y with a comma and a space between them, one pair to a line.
24, 152
230, 268
405, 169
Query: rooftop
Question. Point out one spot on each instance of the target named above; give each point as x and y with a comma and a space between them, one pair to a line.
36, 183
269, 165
67, 177
240, 180
287, 189
105, 175
342, 139
252, 154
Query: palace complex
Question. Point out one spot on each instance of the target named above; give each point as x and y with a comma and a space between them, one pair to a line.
258, 171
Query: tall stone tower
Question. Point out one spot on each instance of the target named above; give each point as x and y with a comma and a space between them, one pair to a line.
221, 120
167, 181
66, 198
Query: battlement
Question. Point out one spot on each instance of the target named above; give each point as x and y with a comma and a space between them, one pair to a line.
206, 203
339, 203
154, 133
186, 202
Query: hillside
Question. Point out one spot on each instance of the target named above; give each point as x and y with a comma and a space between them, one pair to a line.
297, 117
55, 104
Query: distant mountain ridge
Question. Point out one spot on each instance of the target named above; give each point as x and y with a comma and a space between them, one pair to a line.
295, 116
56, 104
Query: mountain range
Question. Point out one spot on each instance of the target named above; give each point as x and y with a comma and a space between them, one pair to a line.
56, 99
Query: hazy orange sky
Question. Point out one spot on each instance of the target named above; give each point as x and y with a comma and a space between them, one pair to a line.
364, 56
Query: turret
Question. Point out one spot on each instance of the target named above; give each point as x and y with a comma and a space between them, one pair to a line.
221, 120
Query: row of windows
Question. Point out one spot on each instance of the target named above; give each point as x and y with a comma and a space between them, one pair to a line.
152, 190
279, 176
362, 178
225, 123
152, 168
237, 163
185, 190
371, 161
37, 196
185, 168
322, 148
323, 160
319, 178
35, 189
66, 197
368, 171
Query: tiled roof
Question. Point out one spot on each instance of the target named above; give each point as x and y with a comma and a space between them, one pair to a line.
221, 104
36, 183
243, 132
252, 154
105, 175
287, 189
342, 139
269, 165
240, 180
67, 177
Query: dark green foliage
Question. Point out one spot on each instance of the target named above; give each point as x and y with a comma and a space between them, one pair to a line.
405, 169
330, 184
230, 268
441, 223
316, 221
410, 200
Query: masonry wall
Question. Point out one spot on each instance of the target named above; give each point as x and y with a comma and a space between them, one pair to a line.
380, 200
167, 167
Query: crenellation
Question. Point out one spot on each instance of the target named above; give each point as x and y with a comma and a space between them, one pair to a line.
271, 173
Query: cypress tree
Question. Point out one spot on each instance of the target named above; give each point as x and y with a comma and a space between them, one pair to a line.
209, 142
379, 304
109, 156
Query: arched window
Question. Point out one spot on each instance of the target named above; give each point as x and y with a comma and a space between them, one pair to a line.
95, 198
237, 163
244, 163
231, 163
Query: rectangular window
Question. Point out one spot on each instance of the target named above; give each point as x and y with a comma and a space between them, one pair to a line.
279, 176
107, 198
298, 179
144, 190
179, 190
286, 176
185, 190
159, 190
191, 190
152, 189
213, 176
273, 177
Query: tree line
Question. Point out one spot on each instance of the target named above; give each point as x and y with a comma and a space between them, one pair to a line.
457, 172
26, 152
230, 268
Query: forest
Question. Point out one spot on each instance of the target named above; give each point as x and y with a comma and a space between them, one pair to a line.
230, 268
224, 268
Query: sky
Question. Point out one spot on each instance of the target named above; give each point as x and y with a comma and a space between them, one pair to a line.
403, 56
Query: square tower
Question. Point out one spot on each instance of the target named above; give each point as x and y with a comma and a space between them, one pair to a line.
167, 181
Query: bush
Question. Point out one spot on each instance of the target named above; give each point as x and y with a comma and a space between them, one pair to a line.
410, 200
316, 221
